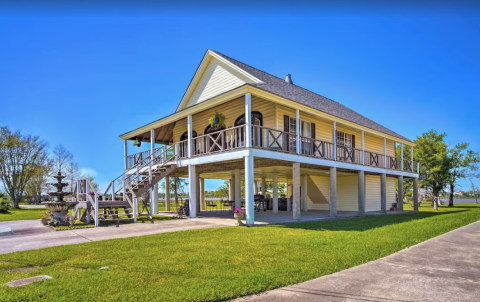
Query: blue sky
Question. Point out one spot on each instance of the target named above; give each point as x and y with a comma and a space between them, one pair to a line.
82, 79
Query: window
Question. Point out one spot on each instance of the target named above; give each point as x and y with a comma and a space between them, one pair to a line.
345, 139
257, 120
306, 129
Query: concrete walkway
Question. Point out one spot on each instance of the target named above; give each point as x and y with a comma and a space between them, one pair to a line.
445, 268
31, 234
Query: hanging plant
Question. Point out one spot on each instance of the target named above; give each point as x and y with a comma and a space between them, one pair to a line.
137, 142
217, 120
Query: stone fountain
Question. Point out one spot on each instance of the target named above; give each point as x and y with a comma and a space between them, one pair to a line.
59, 209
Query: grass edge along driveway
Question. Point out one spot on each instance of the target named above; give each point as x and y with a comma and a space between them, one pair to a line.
219, 264
22, 214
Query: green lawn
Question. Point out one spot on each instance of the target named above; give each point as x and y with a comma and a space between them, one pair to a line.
22, 214
222, 263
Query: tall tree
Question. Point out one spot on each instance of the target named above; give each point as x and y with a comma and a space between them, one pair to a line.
72, 172
222, 190
39, 182
462, 163
431, 151
177, 186
20, 158
62, 158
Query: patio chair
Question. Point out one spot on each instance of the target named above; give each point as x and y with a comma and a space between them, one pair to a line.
259, 201
211, 205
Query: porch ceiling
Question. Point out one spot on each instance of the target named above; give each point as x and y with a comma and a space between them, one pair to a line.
262, 168
163, 135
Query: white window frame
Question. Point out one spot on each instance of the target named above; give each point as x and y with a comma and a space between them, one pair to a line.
344, 139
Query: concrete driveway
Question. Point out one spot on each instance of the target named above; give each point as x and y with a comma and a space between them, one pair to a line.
445, 268
31, 234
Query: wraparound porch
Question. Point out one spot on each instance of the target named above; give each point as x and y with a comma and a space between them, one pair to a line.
311, 185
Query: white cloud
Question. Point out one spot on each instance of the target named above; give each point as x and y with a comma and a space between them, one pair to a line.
88, 171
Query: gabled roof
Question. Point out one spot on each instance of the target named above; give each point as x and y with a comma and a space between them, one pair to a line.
303, 96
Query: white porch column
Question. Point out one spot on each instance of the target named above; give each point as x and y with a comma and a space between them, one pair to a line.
192, 190
167, 193
400, 193
125, 152
135, 209
189, 132
296, 191
238, 189
363, 148
383, 192
333, 191
249, 204
231, 189
197, 191
155, 199
152, 143
361, 193
153, 192
411, 158
384, 152
298, 132
305, 193
264, 186
334, 140
415, 194
202, 194
248, 120
275, 193
401, 156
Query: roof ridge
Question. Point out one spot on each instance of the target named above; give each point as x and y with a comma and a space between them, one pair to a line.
280, 79
301, 95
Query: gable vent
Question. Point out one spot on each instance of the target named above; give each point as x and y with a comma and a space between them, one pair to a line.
288, 79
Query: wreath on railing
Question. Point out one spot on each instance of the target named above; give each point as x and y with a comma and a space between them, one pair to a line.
217, 120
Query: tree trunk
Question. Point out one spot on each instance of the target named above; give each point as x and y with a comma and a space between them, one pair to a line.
450, 201
473, 189
15, 201
435, 203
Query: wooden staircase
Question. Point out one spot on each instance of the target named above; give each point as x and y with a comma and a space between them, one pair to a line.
134, 182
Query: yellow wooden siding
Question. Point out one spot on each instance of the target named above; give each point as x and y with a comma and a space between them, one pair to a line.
232, 110
373, 143
323, 129
372, 193
390, 148
391, 191
217, 79
323, 184
347, 193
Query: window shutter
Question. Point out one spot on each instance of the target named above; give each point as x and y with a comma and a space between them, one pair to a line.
286, 128
353, 141
313, 130
286, 123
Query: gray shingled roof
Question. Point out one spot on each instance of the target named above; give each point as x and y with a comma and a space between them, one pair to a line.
303, 96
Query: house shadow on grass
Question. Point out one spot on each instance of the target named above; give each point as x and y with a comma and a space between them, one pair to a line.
365, 223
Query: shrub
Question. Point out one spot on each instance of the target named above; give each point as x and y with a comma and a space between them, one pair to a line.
4, 205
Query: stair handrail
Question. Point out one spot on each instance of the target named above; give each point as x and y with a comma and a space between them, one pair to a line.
163, 154
143, 164
173, 157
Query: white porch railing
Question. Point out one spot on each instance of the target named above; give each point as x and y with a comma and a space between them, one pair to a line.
281, 141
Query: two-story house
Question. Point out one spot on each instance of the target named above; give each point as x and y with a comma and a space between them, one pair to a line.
332, 158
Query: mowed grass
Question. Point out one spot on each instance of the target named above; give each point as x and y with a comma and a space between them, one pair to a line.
22, 214
222, 263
